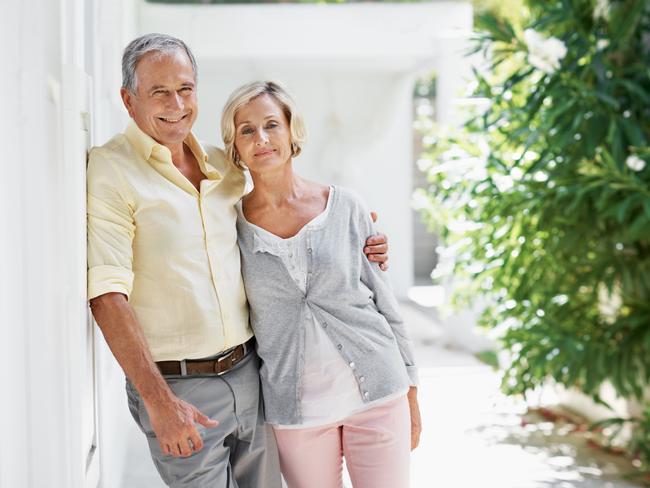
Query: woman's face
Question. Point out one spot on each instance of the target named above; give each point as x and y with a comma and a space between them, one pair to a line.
262, 134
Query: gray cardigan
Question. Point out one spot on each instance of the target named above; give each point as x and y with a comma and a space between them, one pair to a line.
350, 297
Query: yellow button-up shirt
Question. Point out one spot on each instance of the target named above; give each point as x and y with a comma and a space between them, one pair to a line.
172, 250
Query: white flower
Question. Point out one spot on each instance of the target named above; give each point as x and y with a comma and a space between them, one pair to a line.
602, 44
544, 54
502, 182
540, 176
635, 163
601, 10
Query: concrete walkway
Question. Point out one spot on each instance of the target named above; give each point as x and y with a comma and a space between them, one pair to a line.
473, 435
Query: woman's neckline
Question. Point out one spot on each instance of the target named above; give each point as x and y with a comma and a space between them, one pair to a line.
320, 216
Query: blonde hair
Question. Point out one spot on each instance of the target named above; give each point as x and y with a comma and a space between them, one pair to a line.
244, 94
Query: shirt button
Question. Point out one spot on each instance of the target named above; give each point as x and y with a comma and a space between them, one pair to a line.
352, 365
362, 379
309, 250
339, 346
324, 325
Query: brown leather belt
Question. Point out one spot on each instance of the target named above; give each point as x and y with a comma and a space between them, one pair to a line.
213, 366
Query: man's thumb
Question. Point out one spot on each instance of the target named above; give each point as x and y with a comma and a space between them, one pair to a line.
204, 420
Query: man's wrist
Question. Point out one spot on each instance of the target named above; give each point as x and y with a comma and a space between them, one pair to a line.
156, 393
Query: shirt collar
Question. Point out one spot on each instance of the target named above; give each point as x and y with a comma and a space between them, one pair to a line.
143, 143
261, 245
146, 146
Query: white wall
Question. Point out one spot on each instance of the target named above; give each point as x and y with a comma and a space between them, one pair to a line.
14, 306
30, 345
351, 68
47, 347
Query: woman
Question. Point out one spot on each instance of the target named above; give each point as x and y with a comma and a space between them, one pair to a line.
337, 372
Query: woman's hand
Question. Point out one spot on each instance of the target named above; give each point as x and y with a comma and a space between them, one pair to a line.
416, 421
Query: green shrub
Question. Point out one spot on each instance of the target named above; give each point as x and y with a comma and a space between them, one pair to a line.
544, 196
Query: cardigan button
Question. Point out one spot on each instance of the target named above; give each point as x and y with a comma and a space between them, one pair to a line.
352, 365
339, 346
362, 379
366, 394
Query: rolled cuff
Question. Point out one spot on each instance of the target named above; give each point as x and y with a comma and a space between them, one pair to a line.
109, 279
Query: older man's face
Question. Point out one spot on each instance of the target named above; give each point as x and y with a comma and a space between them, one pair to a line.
165, 105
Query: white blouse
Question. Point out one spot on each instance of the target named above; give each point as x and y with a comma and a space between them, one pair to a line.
329, 390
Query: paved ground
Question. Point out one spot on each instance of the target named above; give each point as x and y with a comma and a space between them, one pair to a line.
473, 437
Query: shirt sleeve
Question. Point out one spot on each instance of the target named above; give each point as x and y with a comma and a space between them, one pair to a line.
110, 230
377, 281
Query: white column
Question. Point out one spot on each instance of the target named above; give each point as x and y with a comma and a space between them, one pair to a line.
14, 424
451, 80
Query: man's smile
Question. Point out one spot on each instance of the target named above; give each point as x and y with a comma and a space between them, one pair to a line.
172, 120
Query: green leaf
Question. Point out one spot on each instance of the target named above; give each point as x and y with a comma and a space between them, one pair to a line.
633, 133
625, 20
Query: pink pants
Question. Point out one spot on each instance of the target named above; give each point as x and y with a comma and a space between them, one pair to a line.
376, 444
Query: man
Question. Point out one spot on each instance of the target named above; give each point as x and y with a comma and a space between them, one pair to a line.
164, 280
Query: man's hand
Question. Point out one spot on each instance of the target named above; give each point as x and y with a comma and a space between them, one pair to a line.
377, 247
416, 421
171, 418
173, 422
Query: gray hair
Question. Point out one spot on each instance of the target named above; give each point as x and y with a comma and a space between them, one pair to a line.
147, 43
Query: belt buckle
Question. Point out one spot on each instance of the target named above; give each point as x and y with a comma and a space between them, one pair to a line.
218, 362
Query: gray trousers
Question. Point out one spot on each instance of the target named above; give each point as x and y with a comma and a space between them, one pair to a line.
240, 452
